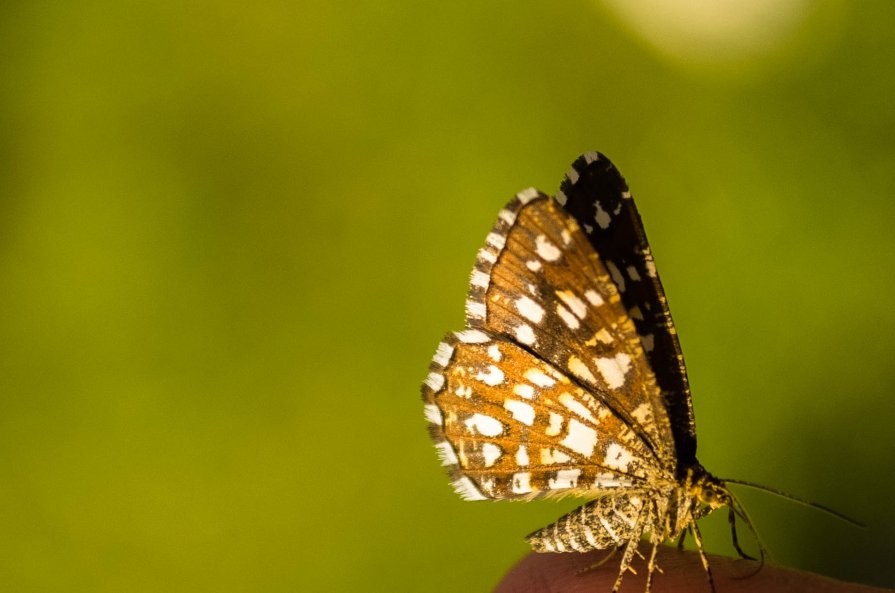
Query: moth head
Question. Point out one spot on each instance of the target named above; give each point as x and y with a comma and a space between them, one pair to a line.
711, 491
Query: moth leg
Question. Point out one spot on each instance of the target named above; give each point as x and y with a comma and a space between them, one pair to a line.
697, 537
651, 566
625, 565
600, 563
680, 540
630, 550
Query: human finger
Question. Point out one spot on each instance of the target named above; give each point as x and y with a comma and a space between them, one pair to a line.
681, 572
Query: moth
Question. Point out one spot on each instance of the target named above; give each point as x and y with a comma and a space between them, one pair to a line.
569, 378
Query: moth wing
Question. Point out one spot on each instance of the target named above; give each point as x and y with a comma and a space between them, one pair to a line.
510, 425
539, 283
597, 196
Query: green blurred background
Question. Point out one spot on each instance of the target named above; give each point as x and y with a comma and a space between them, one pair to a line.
233, 233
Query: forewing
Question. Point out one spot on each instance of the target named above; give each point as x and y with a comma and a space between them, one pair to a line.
539, 282
596, 195
509, 425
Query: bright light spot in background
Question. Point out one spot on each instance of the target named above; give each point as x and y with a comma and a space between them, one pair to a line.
713, 32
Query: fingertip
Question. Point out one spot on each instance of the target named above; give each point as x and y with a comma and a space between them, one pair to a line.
556, 572
678, 572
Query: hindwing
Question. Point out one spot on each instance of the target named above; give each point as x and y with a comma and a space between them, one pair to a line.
509, 425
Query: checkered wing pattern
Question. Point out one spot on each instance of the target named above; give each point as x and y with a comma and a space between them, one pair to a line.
548, 389
509, 425
596, 195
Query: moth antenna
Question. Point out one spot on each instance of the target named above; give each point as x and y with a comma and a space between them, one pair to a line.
798, 500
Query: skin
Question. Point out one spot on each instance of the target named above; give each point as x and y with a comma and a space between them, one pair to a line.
682, 572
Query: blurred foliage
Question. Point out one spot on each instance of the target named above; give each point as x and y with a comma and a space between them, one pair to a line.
231, 235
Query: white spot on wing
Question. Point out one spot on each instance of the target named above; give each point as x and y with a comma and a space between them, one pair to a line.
523, 390
551, 456
480, 279
475, 309
604, 336
484, 425
611, 481
614, 369
446, 453
467, 490
494, 376
507, 216
435, 382
530, 309
570, 320
565, 478
522, 456
545, 249
491, 453
569, 401
580, 370
521, 483
591, 157
561, 198
443, 354
555, 426
539, 378
572, 175
580, 438
525, 334
472, 336
633, 274
486, 255
494, 352
617, 457
593, 297
527, 195
573, 302
495, 240
533, 265
433, 414
650, 267
521, 411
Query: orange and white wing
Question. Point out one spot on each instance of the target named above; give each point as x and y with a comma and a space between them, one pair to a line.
508, 425
550, 370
